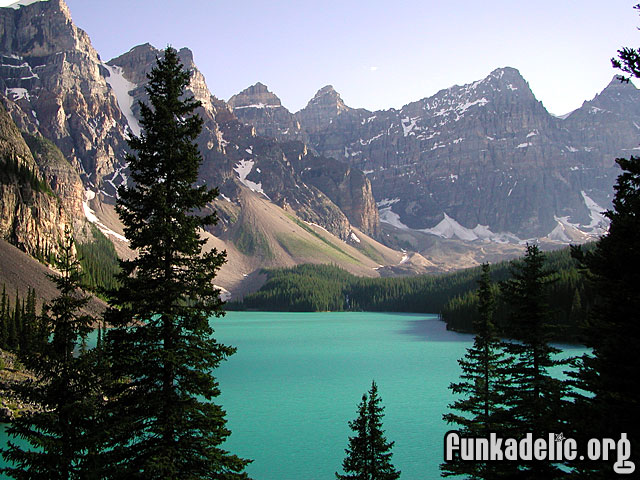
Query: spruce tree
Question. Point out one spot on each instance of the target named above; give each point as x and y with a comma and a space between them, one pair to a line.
368, 456
482, 391
536, 399
4, 320
610, 405
31, 335
12, 326
16, 324
162, 419
64, 388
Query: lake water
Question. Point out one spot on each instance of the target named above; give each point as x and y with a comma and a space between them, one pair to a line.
297, 378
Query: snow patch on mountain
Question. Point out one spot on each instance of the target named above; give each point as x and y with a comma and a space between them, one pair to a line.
386, 202
121, 87
257, 105
91, 216
118, 174
449, 228
367, 142
21, 3
598, 220
392, 218
559, 234
408, 125
225, 294
243, 169
17, 93
463, 108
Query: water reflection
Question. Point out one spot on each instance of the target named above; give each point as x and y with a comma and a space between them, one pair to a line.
431, 329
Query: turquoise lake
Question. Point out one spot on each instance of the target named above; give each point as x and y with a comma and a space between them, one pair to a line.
297, 378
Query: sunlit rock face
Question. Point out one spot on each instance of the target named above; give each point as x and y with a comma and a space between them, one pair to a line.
31, 217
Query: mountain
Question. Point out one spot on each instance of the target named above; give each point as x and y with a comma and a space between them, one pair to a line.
483, 161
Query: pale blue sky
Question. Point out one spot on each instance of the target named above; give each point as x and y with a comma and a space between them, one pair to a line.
377, 54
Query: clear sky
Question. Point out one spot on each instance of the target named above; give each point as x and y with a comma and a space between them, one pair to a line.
376, 53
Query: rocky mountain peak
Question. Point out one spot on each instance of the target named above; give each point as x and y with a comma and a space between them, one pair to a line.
505, 81
618, 96
41, 28
618, 91
138, 62
132, 61
186, 56
327, 96
322, 109
255, 95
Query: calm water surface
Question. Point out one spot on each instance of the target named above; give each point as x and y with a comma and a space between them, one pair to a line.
297, 378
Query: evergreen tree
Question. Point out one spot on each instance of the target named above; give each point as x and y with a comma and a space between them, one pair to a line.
368, 454
163, 422
15, 327
64, 388
536, 398
4, 321
12, 328
483, 389
610, 405
30, 333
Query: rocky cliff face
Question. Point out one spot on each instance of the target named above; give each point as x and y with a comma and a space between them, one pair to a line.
346, 186
484, 160
62, 178
49, 69
259, 107
31, 217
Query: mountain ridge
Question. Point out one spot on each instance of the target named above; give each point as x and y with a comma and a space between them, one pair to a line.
447, 133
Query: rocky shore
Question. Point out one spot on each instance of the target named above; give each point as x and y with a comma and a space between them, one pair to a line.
11, 373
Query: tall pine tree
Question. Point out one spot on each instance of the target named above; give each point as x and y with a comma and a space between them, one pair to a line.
369, 453
536, 398
610, 405
482, 391
64, 388
162, 420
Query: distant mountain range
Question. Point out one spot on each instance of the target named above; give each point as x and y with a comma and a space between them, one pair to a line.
483, 161
460, 177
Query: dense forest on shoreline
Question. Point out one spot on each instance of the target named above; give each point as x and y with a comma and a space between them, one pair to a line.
453, 296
